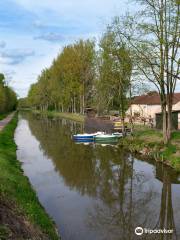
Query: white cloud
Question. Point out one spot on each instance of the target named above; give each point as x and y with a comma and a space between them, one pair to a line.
15, 56
51, 37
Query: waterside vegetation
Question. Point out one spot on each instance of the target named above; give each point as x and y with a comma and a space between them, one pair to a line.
54, 114
148, 142
22, 215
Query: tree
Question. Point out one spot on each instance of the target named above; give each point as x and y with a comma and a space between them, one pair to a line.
2, 78
8, 98
115, 70
154, 37
67, 85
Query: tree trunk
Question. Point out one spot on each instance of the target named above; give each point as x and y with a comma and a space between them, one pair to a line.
83, 104
131, 117
164, 113
80, 104
74, 104
122, 112
169, 118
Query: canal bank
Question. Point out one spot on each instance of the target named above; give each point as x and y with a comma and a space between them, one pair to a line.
53, 114
21, 215
148, 143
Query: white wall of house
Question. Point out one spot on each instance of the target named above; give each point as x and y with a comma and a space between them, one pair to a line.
176, 106
150, 110
145, 110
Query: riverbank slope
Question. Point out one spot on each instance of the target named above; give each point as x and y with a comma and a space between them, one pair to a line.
71, 116
21, 215
148, 142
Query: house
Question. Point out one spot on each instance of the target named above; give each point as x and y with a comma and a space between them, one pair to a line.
147, 105
175, 120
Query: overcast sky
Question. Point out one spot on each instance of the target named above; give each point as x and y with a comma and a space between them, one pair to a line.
33, 32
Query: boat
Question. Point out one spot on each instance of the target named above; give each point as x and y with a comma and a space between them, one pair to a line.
86, 137
83, 136
106, 138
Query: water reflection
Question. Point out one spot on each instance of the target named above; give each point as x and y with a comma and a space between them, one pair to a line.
122, 192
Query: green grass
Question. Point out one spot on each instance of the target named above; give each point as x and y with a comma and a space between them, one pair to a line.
71, 116
14, 186
3, 115
150, 141
176, 135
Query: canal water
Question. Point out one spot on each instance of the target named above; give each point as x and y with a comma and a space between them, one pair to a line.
96, 192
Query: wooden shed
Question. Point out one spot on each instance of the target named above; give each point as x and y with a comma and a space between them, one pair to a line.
90, 112
175, 120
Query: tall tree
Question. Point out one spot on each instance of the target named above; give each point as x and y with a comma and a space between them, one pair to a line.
8, 98
67, 85
115, 70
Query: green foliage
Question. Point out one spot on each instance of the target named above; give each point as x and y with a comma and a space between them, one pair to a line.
23, 103
175, 135
68, 84
53, 114
3, 115
82, 77
169, 150
14, 186
149, 142
115, 69
8, 98
2, 78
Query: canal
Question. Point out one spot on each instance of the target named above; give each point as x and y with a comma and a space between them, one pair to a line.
95, 192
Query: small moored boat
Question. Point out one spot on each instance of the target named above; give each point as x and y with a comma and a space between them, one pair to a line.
86, 136
106, 138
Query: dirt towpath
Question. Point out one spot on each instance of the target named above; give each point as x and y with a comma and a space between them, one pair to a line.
6, 120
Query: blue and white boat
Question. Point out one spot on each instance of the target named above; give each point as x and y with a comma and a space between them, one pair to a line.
86, 137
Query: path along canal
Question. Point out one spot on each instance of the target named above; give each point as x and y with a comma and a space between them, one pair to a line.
95, 192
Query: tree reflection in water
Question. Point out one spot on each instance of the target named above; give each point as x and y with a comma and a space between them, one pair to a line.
166, 216
125, 197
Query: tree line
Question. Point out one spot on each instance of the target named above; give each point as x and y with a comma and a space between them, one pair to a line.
143, 47
68, 84
8, 98
85, 75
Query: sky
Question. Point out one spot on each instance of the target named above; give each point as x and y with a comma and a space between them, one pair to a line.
33, 32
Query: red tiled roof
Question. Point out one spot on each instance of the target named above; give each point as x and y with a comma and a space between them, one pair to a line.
153, 99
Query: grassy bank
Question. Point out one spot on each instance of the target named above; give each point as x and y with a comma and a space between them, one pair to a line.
21, 215
3, 115
71, 116
148, 142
